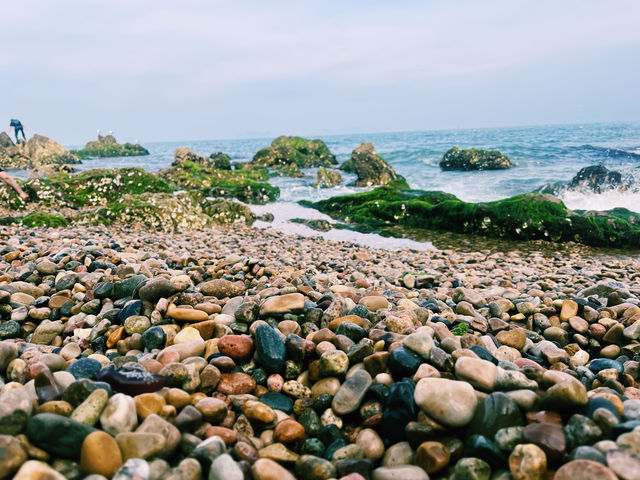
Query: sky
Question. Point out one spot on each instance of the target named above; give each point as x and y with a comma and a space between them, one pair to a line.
158, 70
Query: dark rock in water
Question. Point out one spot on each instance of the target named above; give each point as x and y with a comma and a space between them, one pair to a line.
84, 368
549, 437
129, 310
270, 349
107, 146
154, 338
400, 409
600, 364
597, 178
474, 159
57, 435
131, 381
370, 167
480, 446
314, 224
326, 178
277, 401
494, 412
403, 363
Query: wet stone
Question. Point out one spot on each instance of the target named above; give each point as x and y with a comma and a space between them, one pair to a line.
85, 368
57, 435
494, 412
351, 393
403, 363
277, 401
270, 349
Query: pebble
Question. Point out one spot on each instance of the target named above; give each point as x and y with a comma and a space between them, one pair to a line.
100, 454
350, 394
450, 402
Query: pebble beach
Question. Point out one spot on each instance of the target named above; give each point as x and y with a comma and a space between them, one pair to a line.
245, 353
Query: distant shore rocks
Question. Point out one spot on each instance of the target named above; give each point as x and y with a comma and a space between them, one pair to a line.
370, 167
108, 146
300, 151
34, 153
217, 160
474, 159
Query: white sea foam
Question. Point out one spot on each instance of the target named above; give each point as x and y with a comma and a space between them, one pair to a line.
601, 201
283, 212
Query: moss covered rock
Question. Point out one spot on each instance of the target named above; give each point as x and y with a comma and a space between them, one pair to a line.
224, 211
525, 217
105, 185
41, 219
370, 167
295, 150
35, 152
166, 212
107, 146
327, 178
247, 184
220, 160
474, 159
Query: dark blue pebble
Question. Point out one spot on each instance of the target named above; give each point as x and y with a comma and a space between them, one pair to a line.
403, 363
131, 309
85, 368
600, 364
484, 354
399, 410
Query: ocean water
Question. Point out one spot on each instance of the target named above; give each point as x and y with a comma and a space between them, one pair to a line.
543, 154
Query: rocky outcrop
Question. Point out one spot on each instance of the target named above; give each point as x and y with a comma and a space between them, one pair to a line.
474, 159
221, 161
247, 184
295, 150
34, 153
223, 211
523, 217
370, 167
166, 212
327, 178
107, 146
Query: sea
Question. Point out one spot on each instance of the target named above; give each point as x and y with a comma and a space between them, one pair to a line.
542, 154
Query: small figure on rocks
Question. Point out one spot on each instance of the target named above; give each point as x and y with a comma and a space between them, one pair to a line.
18, 128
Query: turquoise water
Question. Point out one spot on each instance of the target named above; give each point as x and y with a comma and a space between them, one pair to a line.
543, 154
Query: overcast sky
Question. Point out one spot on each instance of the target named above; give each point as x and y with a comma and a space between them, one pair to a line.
166, 70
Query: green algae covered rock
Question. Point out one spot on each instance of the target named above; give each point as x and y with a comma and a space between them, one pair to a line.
104, 185
166, 212
107, 146
247, 184
295, 150
327, 178
370, 167
41, 219
523, 217
221, 160
218, 160
224, 211
474, 159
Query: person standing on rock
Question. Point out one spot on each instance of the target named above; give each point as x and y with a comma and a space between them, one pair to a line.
17, 128
9, 180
